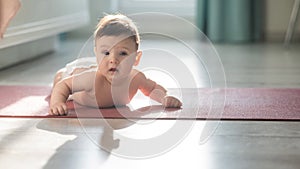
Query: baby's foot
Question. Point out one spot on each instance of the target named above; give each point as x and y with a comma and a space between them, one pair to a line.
8, 9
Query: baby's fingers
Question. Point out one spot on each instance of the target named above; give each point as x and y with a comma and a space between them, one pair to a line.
171, 102
62, 110
174, 103
59, 110
177, 103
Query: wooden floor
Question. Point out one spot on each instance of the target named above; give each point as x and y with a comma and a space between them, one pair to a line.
98, 143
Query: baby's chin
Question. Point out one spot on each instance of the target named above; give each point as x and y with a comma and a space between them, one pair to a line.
117, 78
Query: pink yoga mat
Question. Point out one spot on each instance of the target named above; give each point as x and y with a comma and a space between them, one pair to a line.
206, 103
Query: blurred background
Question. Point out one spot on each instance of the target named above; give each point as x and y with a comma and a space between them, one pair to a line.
45, 35
237, 20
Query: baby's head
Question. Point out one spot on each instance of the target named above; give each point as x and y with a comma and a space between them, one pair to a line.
116, 46
117, 25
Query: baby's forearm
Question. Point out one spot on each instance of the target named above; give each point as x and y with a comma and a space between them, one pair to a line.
158, 93
60, 93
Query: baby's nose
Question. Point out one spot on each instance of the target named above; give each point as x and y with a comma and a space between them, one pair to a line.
113, 60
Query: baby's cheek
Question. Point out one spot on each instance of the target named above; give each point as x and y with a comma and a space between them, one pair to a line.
99, 60
129, 61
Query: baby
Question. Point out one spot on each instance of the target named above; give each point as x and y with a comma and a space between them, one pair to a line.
112, 81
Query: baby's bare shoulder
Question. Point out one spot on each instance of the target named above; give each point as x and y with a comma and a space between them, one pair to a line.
140, 79
137, 75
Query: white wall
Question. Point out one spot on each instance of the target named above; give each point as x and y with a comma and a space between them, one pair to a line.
37, 10
97, 8
277, 15
33, 30
277, 18
38, 19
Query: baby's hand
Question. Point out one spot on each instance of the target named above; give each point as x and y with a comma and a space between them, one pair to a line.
171, 102
58, 109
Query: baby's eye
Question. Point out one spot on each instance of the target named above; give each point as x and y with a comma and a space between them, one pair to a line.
106, 53
123, 53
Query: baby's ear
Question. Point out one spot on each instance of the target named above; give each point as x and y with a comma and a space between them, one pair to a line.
138, 58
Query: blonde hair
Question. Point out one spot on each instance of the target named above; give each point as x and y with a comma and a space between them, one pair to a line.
115, 25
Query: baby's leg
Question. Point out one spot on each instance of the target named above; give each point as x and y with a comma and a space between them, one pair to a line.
8, 9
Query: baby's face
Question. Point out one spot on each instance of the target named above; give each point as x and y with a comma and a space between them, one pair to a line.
116, 55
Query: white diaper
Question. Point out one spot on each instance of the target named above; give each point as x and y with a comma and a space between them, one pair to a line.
85, 62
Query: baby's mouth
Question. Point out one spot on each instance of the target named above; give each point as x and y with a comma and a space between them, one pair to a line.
113, 70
